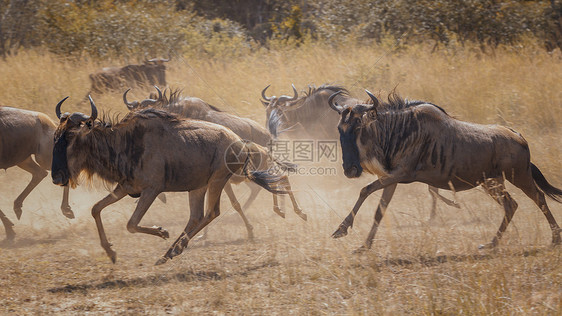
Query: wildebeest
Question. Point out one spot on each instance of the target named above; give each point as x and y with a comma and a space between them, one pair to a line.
407, 141
152, 151
307, 115
151, 72
310, 116
245, 128
25, 135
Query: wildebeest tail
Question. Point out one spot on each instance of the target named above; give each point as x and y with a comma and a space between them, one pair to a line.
553, 192
269, 179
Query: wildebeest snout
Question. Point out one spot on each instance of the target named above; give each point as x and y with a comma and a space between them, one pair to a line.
353, 172
59, 178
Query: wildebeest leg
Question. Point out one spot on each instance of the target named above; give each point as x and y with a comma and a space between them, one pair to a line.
276, 207
65, 206
236, 206
496, 189
37, 174
387, 194
529, 188
365, 192
147, 197
193, 227
296, 207
117, 194
10, 233
255, 189
196, 211
434, 192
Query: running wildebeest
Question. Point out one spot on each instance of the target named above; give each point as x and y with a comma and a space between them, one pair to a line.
307, 115
407, 141
245, 128
151, 72
310, 116
24, 134
152, 151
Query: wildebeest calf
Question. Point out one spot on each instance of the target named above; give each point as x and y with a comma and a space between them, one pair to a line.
403, 142
152, 151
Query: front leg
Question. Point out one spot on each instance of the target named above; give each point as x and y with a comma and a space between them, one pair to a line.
387, 194
117, 194
365, 192
65, 206
147, 197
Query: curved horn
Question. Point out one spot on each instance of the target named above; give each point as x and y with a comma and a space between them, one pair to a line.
263, 94
131, 105
57, 108
94, 114
159, 93
147, 102
295, 93
375, 100
336, 107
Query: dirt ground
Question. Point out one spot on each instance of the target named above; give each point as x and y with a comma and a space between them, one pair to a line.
56, 265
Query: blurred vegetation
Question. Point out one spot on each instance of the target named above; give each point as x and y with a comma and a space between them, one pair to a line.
136, 29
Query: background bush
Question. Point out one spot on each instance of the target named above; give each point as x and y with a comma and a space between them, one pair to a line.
138, 29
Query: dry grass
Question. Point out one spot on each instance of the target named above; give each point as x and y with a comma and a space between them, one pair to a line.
57, 265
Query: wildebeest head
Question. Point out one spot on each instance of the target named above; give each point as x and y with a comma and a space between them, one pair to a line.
275, 108
151, 101
69, 126
351, 121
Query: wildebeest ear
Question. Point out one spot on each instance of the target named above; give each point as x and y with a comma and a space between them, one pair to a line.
265, 104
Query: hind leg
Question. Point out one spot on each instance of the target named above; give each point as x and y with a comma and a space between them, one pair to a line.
254, 191
530, 189
193, 227
37, 174
10, 233
296, 207
236, 205
434, 192
496, 188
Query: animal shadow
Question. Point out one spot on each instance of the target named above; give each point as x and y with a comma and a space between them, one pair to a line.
26, 242
157, 280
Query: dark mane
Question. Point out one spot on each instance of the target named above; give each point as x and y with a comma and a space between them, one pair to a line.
396, 102
312, 89
176, 97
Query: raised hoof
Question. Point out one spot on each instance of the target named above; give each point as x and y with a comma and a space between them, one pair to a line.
162, 232
67, 211
342, 231
302, 215
18, 212
161, 261
279, 212
112, 255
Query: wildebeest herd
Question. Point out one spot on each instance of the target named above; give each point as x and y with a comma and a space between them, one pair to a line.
172, 143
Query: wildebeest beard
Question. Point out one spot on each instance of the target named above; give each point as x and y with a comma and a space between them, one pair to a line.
350, 153
59, 166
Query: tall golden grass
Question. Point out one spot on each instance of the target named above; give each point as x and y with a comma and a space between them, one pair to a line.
294, 267
516, 86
